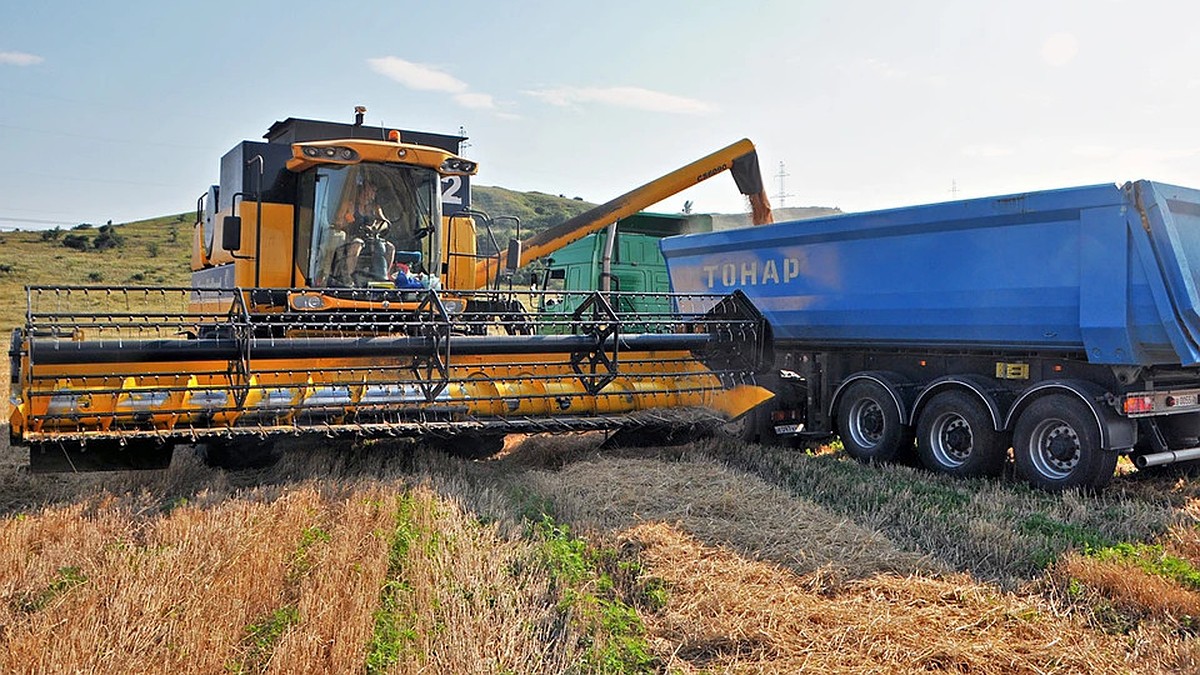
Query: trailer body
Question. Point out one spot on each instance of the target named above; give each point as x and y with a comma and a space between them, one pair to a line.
1087, 293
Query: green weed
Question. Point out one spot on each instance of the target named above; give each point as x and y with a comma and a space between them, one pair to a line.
394, 630
261, 639
612, 632
66, 579
1152, 559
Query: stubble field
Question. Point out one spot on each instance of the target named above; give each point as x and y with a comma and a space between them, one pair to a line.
561, 556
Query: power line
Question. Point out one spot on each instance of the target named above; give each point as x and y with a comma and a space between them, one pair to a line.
101, 139
783, 194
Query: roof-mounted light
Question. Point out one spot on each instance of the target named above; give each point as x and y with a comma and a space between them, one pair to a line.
330, 153
455, 165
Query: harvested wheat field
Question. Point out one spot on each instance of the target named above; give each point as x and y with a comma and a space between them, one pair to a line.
559, 556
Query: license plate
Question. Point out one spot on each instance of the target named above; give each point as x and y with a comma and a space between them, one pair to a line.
785, 429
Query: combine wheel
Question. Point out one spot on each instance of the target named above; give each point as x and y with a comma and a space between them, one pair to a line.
955, 435
238, 454
869, 424
1056, 445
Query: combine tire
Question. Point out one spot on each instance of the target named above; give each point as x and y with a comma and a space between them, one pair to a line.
238, 454
1056, 445
955, 435
869, 425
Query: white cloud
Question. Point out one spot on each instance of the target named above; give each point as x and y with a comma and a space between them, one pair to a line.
1060, 49
474, 100
19, 59
429, 78
986, 150
417, 75
625, 97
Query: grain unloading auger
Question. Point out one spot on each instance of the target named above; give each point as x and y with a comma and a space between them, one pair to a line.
342, 327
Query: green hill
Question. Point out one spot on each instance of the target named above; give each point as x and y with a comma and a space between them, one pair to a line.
151, 252
537, 211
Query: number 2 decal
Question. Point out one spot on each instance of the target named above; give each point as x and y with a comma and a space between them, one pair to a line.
451, 190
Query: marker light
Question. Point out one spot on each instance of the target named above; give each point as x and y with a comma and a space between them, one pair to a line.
1138, 404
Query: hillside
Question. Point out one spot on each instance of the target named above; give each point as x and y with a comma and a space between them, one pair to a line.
152, 252
537, 211
730, 221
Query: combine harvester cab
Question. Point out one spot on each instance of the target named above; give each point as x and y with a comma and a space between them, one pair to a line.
338, 291
1061, 323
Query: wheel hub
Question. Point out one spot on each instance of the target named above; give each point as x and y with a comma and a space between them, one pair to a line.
872, 422
951, 440
1057, 449
867, 423
958, 437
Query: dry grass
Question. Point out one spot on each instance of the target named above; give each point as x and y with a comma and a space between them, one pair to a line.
1130, 588
721, 507
186, 572
728, 613
476, 602
997, 530
290, 569
169, 593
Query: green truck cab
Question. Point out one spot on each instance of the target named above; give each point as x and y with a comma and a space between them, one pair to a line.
636, 265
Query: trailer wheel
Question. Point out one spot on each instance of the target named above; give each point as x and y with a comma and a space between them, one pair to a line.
869, 424
955, 435
1056, 445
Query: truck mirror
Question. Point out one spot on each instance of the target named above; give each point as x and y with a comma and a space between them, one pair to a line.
231, 233
513, 261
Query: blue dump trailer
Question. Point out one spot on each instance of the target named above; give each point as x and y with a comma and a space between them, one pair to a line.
1064, 324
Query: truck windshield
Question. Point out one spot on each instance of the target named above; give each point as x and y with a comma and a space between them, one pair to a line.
373, 225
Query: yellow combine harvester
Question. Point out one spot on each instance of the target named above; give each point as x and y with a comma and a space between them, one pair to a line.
337, 290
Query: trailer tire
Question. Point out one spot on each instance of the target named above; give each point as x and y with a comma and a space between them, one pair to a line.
869, 424
955, 435
1056, 445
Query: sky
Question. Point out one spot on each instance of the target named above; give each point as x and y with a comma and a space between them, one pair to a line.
122, 110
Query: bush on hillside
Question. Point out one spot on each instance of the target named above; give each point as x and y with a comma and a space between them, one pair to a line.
77, 242
108, 238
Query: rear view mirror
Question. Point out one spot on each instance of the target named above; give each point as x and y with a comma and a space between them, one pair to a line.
513, 260
231, 233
